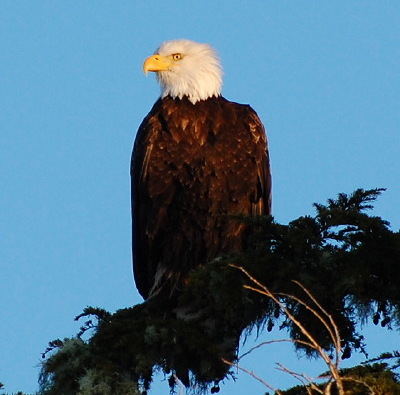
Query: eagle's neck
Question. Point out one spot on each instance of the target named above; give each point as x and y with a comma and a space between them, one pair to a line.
196, 85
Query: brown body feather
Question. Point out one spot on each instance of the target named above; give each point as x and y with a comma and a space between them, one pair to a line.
193, 166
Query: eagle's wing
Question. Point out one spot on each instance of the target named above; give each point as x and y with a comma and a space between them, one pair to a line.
263, 199
144, 227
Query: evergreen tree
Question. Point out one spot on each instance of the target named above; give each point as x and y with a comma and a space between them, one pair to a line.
347, 259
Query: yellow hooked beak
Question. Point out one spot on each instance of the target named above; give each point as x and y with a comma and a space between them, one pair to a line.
157, 63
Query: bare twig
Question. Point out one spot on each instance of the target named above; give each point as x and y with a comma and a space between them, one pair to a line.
329, 324
274, 341
313, 343
336, 335
252, 374
305, 380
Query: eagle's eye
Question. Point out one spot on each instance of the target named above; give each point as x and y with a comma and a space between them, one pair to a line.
177, 56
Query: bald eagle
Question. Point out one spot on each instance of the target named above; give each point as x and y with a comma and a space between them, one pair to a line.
198, 161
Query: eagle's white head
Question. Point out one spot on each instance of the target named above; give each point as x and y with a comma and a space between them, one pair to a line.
186, 68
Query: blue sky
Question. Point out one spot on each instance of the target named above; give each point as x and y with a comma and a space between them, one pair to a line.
324, 76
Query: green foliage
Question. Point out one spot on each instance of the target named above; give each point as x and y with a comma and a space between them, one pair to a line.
75, 369
350, 262
377, 376
393, 357
360, 380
